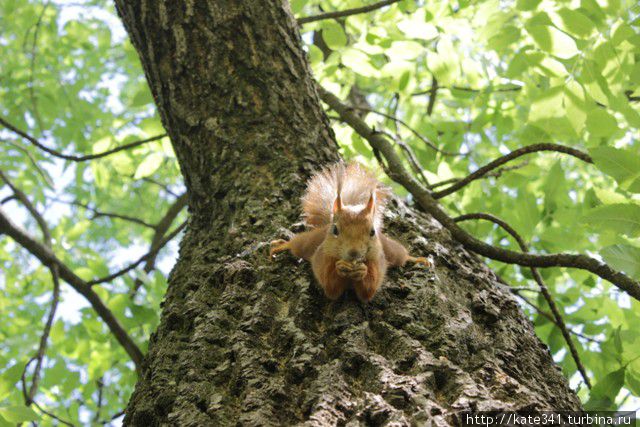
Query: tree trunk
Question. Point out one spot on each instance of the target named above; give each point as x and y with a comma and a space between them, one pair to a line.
244, 340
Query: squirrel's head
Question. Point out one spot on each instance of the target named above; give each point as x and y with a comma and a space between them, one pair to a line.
352, 235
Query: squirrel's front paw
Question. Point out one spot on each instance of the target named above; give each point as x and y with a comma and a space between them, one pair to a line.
343, 268
358, 271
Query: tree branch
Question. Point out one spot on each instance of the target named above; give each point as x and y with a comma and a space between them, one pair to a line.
423, 197
508, 157
559, 321
345, 13
42, 348
98, 213
153, 252
161, 229
74, 158
163, 226
468, 89
30, 207
48, 258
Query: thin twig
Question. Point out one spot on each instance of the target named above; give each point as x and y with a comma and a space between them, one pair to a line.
33, 161
422, 196
75, 158
50, 414
548, 316
559, 321
97, 213
8, 199
412, 130
345, 13
152, 253
433, 92
495, 174
100, 386
468, 89
34, 46
508, 157
413, 160
161, 185
113, 417
42, 348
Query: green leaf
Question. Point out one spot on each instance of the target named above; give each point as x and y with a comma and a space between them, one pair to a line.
620, 218
633, 382
621, 165
576, 23
18, 414
333, 35
358, 62
404, 50
603, 394
142, 97
298, 5
623, 257
552, 40
149, 165
9, 378
416, 27
601, 123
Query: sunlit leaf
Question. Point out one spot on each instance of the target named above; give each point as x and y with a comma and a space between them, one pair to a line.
621, 218
623, 257
18, 414
149, 165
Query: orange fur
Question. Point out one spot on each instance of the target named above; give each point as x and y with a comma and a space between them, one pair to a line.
343, 206
367, 288
324, 268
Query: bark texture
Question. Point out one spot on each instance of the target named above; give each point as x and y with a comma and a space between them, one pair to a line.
246, 341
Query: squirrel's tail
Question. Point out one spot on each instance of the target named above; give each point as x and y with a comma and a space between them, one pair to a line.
355, 184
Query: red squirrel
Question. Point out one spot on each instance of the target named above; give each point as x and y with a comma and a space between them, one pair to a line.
343, 207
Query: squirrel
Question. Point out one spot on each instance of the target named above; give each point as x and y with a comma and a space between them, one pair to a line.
343, 207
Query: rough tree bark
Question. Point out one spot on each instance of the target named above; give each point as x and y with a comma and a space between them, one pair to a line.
246, 341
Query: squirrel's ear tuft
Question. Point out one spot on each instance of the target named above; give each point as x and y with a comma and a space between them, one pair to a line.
371, 204
337, 204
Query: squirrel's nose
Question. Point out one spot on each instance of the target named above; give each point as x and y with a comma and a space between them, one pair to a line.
353, 254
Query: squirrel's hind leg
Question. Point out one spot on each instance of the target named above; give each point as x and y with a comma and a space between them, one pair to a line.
419, 260
397, 255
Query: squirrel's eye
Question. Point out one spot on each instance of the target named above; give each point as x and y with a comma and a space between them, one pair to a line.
334, 230
373, 232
